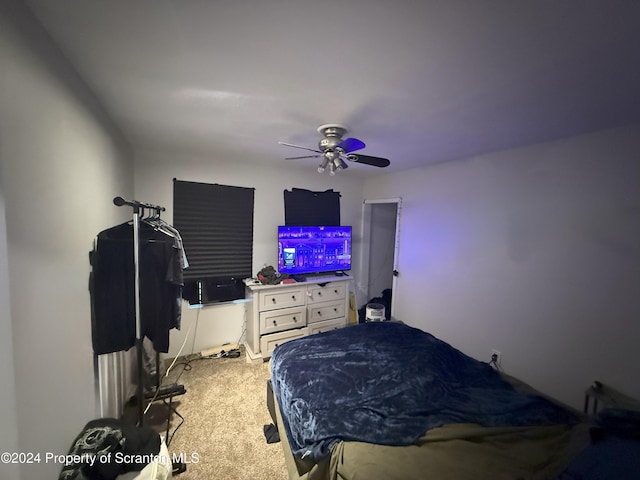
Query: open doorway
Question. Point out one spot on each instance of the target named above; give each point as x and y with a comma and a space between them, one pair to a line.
380, 227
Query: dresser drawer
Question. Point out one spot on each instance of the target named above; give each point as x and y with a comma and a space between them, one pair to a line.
281, 299
326, 293
319, 327
268, 343
282, 319
325, 311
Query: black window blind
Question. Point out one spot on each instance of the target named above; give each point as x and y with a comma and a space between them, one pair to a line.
307, 208
216, 225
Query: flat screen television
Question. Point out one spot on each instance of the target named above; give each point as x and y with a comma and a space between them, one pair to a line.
311, 250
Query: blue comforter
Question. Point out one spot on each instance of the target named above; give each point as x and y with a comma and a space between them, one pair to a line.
388, 383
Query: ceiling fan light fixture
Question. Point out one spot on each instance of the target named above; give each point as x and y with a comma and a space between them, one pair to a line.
332, 155
334, 150
322, 167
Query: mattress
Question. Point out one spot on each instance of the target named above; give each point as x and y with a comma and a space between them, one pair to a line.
424, 406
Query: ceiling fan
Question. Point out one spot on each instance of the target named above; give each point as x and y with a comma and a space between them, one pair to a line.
334, 150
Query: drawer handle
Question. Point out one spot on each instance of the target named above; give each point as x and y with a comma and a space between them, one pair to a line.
293, 297
295, 319
335, 309
319, 294
319, 313
275, 323
273, 300
336, 291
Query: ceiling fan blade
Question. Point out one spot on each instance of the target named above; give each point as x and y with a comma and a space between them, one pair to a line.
351, 145
368, 160
305, 156
298, 146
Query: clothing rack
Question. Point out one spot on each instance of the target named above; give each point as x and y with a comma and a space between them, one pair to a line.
138, 210
102, 279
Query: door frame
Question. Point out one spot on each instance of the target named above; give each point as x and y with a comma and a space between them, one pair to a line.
366, 246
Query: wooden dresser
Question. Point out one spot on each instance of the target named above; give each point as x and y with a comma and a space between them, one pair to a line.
278, 313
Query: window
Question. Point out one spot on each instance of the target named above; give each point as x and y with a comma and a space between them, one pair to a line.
216, 225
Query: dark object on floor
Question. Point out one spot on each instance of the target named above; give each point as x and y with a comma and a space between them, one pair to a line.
233, 353
385, 300
271, 433
102, 441
619, 422
614, 453
178, 468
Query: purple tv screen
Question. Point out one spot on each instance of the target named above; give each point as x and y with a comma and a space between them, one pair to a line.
303, 250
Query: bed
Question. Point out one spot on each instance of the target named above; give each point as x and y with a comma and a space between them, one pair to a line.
383, 400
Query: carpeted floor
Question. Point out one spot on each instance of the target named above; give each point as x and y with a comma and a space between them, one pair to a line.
224, 412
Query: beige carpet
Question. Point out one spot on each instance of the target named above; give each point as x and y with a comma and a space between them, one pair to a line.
224, 412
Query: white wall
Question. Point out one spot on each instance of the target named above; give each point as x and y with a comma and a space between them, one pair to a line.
61, 164
9, 437
533, 252
154, 174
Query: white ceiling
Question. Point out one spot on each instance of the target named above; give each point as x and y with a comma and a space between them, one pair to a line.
418, 81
